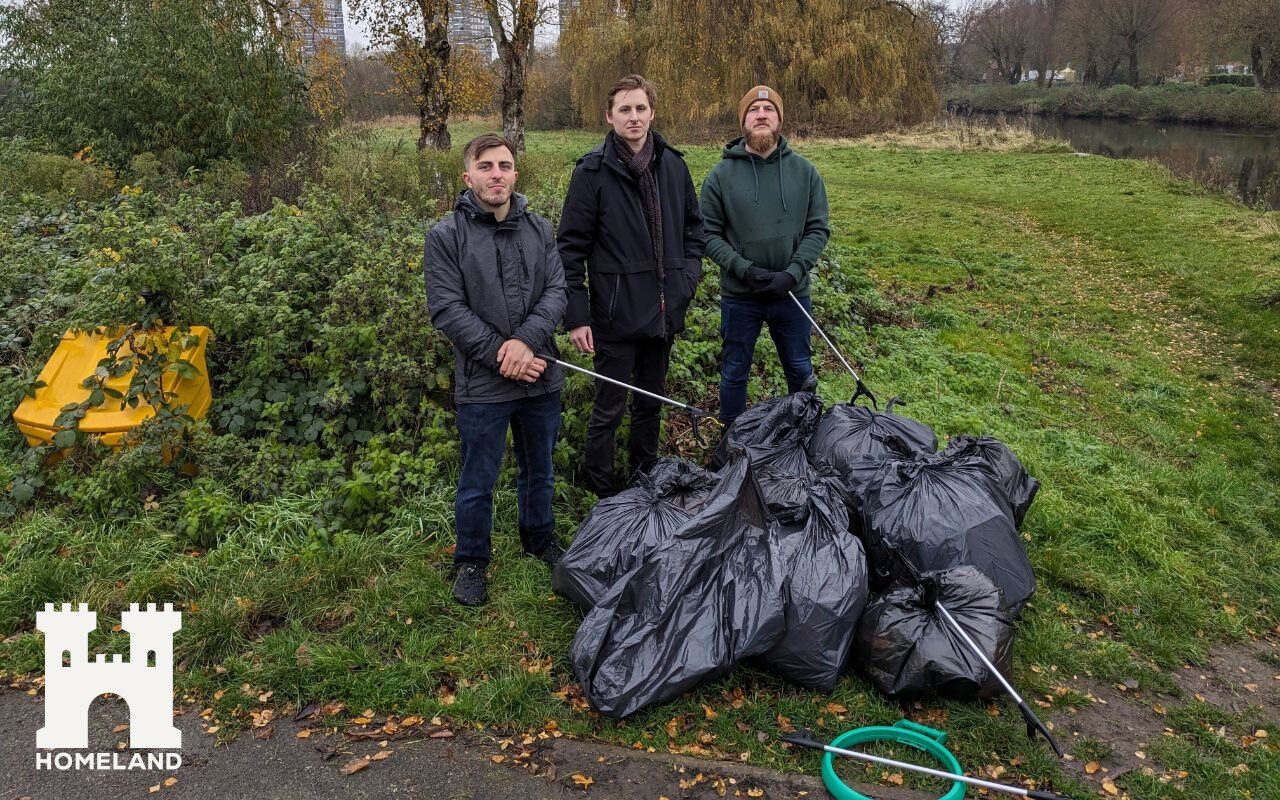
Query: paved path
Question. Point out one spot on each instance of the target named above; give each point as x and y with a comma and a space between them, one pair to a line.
458, 768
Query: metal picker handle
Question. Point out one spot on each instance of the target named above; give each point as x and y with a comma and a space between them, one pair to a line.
861, 388
1034, 724
804, 741
696, 415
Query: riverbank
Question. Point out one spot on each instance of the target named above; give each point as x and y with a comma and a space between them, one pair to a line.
1239, 106
1117, 328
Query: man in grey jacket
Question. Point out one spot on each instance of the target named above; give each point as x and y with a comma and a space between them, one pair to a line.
495, 289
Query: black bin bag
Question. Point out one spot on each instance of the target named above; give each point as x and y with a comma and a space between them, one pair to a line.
855, 440
708, 597
774, 432
942, 511
827, 587
621, 530
908, 650
1018, 486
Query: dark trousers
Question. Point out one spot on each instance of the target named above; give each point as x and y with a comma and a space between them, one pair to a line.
740, 322
534, 423
642, 363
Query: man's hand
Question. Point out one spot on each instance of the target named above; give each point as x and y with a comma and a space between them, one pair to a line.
582, 339
534, 371
779, 284
758, 278
514, 357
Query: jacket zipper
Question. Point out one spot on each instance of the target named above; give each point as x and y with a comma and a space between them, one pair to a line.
613, 301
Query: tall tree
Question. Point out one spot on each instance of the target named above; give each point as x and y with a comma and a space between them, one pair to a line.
1132, 24
845, 65
1002, 32
417, 33
513, 23
1254, 27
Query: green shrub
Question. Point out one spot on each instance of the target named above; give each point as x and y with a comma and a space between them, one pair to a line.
1227, 80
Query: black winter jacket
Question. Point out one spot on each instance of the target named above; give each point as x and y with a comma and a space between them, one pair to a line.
604, 241
490, 281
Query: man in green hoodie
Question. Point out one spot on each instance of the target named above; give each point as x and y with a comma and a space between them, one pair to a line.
764, 208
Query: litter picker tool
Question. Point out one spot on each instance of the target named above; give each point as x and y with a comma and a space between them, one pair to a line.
696, 415
914, 735
1034, 725
861, 390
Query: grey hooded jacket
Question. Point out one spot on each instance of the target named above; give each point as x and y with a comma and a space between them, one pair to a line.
490, 281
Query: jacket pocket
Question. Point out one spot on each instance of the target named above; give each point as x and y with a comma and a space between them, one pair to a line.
624, 298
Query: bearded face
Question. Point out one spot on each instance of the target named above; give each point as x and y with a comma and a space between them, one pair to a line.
761, 126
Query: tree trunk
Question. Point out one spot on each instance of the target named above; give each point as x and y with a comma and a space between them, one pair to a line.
433, 104
1266, 71
1133, 61
515, 69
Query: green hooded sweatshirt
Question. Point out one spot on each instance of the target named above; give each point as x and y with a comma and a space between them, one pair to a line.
769, 213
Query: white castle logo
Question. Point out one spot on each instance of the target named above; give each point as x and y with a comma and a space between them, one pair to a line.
145, 681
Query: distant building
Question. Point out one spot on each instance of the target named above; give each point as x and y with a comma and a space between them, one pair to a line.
315, 32
469, 26
567, 7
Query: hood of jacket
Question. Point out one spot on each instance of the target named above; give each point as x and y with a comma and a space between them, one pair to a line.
467, 204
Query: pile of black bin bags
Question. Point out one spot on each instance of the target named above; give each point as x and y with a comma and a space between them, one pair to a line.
772, 559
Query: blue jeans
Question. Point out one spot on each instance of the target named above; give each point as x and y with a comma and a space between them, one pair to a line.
740, 321
535, 424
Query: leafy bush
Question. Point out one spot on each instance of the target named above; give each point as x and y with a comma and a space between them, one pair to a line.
205, 80
1227, 80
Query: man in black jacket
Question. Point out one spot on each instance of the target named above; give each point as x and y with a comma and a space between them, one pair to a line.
631, 241
495, 289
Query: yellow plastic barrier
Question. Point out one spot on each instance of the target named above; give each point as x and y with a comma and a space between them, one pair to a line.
75, 359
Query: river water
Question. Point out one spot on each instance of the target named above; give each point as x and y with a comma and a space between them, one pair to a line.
1243, 162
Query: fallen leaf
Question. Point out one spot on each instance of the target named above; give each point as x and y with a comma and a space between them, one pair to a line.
153, 789
1091, 767
355, 765
893, 777
755, 793
1109, 787
582, 780
170, 781
709, 712
497, 759
305, 733
380, 755
120, 728
1259, 734
742, 727
836, 708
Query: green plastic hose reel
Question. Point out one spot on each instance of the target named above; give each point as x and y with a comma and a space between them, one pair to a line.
921, 737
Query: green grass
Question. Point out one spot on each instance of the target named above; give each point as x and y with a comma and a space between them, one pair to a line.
1114, 334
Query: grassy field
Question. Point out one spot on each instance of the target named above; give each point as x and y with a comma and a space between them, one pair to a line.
1118, 329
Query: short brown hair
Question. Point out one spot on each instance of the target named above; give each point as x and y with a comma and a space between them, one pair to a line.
485, 141
629, 82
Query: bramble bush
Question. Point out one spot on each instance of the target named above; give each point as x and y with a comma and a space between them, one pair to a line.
328, 379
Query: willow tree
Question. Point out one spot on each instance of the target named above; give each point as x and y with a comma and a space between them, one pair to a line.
840, 65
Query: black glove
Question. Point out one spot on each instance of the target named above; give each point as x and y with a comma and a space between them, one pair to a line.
757, 278
779, 284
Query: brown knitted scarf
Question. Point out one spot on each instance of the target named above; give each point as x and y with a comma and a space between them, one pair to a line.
640, 165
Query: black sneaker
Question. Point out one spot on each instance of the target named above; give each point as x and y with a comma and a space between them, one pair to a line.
469, 587
551, 554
